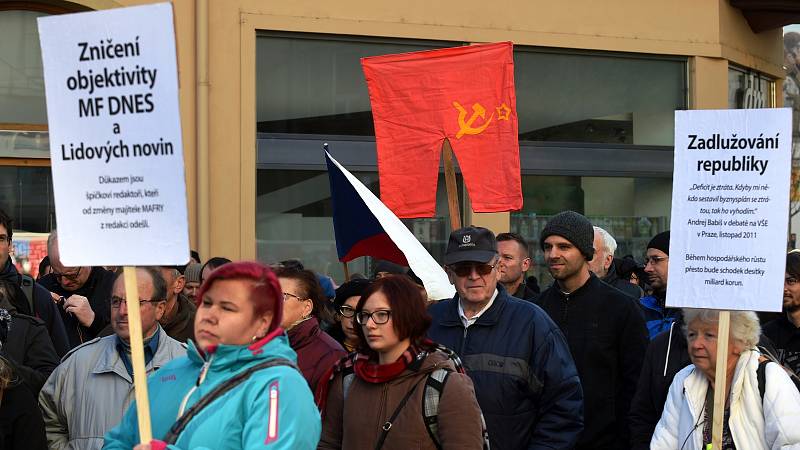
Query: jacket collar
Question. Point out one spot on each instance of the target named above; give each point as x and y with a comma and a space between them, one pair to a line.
490, 317
303, 333
9, 272
577, 292
111, 361
224, 357
182, 314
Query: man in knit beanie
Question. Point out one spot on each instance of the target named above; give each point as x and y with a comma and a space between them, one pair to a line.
605, 331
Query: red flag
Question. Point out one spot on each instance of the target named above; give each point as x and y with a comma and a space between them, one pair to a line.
465, 94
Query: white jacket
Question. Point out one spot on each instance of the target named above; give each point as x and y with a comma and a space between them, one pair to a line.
775, 426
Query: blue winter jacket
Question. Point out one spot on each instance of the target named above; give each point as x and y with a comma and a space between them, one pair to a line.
657, 317
244, 417
525, 380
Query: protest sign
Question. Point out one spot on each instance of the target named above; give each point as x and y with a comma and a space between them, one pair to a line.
730, 200
115, 136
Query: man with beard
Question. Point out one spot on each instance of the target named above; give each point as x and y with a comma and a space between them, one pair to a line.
784, 331
513, 264
604, 330
658, 317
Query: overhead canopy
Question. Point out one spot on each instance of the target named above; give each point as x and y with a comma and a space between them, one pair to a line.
765, 15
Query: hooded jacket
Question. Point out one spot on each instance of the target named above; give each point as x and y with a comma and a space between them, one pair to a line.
657, 316
355, 422
29, 350
608, 339
525, 380
43, 307
87, 394
98, 290
755, 424
316, 351
239, 419
666, 355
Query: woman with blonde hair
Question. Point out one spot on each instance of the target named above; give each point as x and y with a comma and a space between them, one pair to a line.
753, 419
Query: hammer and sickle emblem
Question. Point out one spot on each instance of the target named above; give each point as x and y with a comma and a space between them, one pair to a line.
465, 126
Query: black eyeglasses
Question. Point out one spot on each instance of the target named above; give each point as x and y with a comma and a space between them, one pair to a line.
465, 269
380, 316
117, 301
346, 311
70, 276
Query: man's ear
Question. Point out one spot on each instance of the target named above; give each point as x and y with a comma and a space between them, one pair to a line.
180, 283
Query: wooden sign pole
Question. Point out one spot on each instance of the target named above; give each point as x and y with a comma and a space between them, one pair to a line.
137, 354
720, 379
450, 183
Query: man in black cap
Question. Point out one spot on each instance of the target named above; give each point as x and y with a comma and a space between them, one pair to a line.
604, 330
524, 377
657, 316
178, 318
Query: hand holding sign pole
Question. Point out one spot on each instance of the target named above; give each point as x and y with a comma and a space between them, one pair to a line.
729, 219
115, 142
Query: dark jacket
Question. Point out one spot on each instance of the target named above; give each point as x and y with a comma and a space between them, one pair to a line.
43, 307
608, 339
786, 338
21, 425
181, 327
355, 422
623, 285
657, 317
525, 292
29, 350
524, 377
666, 355
98, 290
316, 351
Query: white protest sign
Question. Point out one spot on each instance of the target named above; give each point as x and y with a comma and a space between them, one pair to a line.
730, 209
115, 136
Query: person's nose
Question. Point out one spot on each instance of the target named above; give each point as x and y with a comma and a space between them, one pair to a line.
473, 273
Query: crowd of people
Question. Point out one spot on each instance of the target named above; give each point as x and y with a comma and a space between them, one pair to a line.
245, 355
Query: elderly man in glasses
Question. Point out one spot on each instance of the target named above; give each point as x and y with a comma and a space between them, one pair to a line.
89, 392
82, 293
525, 380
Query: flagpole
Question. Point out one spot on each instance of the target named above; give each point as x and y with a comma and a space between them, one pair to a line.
450, 183
346, 271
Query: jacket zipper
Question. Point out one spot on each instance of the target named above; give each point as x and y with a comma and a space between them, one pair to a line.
200, 378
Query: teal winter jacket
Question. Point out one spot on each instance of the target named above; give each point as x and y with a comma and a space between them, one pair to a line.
243, 418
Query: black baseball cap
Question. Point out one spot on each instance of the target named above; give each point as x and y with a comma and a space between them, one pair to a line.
470, 244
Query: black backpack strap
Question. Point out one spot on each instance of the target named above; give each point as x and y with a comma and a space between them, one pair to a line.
761, 375
388, 425
26, 284
224, 387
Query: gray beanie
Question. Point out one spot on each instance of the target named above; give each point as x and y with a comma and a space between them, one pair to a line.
573, 227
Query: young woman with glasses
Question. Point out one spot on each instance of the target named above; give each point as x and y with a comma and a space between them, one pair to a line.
347, 296
374, 398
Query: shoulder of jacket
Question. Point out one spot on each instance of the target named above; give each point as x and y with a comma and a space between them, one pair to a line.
88, 346
32, 321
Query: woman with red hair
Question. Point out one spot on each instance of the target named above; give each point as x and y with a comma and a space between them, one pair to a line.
383, 396
238, 387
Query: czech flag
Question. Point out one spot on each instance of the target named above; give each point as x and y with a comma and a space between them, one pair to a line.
364, 226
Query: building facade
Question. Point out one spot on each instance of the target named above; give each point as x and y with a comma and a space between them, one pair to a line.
265, 84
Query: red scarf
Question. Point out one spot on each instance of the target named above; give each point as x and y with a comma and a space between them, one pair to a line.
366, 369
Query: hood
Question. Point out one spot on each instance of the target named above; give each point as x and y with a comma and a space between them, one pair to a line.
234, 358
9, 272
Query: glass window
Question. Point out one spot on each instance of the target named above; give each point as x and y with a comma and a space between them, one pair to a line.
294, 219
21, 76
26, 194
748, 89
632, 210
316, 86
597, 98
